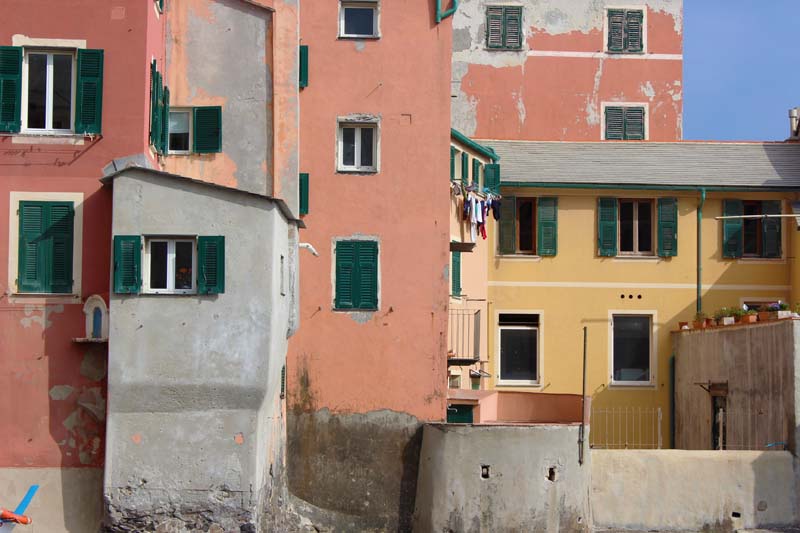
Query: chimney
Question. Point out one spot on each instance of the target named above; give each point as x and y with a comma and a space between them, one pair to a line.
794, 121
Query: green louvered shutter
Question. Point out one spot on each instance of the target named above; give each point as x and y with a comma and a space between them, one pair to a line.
491, 177
453, 152
456, 274
153, 102
60, 233
211, 265
616, 30
160, 6
512, 27
127, 264
547, 226
367, 268
89, 92
771, 229
32, 244
508, 225
164, 144
10, 88
283, 381
607, 227
615, 123
303, 66
345, 274
634, 123
207, 129
465, 168
303, 193
633, 31
732, 229
494, 27
667, 227
476, 171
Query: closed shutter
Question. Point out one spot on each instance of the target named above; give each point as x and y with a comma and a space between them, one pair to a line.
164, 144
732, 229
508, 225
494, 27
367, 267
634, 123
456, 274
607, 227
303, 193
465, 168
476, 172
60, 233
771, 228
283, 381
512, 27
10, 88
303, 66
32, 256
616, 30
633, 31
345, 274
155, 118
45, 247
453, 163
615, 123
491, 177
89, 93
547, 226
667, 227
127, 264
211, 265
207, 129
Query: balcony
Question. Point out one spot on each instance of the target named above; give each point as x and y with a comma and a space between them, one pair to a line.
463, 337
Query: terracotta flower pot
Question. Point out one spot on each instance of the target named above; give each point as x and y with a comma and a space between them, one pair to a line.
765, 316
710, 323
749, 319
699, 325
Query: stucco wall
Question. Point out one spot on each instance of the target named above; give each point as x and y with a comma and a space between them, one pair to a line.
668, 490
534, 480
195, 379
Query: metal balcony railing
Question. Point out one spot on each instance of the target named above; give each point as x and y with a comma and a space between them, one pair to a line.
464, 334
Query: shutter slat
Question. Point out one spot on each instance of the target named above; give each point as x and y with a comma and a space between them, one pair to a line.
667, 227
615, 123
89, 93
127, 264
732, 229
513, 27
634, 31
547, 226
207, 129
508, 225
211, 264
616, 30
494, 27
10, 88
771, 229
607, 227
634, 123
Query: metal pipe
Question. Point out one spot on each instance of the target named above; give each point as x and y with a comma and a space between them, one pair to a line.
700, 250
441, 15
582, 434
734, 217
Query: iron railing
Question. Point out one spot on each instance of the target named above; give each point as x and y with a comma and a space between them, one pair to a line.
626, 427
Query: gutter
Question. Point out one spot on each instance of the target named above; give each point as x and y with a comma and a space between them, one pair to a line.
636, 187
481, 149
700, 249
441, 15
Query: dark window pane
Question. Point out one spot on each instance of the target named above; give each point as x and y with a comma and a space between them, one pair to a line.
626, 226
525, 226
518, 354
183, 265
752, 229
158, 265
179, 141
366, 146
62, 92
179, 131
631, 348
645, 220
37, 90
349, 147
358, 21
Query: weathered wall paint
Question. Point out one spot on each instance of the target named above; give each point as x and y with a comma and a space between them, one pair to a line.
554, 87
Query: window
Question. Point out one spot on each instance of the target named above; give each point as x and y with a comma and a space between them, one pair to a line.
625, 30
456, 273
453, 154
45, 255
454, 381
356, 284
636, 227
304, 184
170, 266
358, 145
631, 348
519, 349
625, 123
180, 131
49, 88
504, 27
528, 225
477, 167
752, 237
358, 19
627, 227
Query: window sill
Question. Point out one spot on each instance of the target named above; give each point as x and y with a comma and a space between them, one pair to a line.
488, 49
169, 293
74, 139
624, 53
521, 257
632, 385
760, 261
356, 171
32, 298
359, 37
336, 310
638, 258
512, 384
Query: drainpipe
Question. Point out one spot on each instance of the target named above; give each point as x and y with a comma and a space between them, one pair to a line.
441, 15
700, 249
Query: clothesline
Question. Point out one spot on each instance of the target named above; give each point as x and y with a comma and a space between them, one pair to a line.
475, 207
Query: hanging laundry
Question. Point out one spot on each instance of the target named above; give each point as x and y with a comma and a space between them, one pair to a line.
483, 231
496, 204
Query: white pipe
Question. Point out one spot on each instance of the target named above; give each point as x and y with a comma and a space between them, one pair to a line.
308, 247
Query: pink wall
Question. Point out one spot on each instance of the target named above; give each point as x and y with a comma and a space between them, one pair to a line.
394, 358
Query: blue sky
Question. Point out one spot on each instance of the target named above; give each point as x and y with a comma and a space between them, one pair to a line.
741, 68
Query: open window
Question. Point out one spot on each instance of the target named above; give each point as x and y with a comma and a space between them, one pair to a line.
519, 349
528, 225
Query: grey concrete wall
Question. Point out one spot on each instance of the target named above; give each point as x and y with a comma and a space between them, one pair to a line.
678, 490
194, 421
534, 480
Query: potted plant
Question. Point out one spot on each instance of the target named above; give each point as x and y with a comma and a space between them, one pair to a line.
768, 312
783, 310
726, 317
737, 314
699, 320
750, 316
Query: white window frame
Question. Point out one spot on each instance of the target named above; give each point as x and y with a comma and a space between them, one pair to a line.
188, 111
539, 348
50, 52
626, 7
170, 265
358, 126
360, 4
653, 228
652, 315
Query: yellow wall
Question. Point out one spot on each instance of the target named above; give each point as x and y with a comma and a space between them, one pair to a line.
577, 289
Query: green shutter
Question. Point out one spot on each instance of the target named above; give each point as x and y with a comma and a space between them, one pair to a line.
634, 123
732, 229
60, 233
508, 224
154, 116
607, 227
771, 229
283, 381
164, 144
303, 66
667, 227
89, 92
634, 31
161, 6
616, 30
345, 274
211, 265
491, 177
456, 273
207, 129
367, 268
45, 247
547, 226
10, 88
476, 172
615, 123
453, 152
127, 264
465, 168
494, 27
303, 193
512, 27
356, 275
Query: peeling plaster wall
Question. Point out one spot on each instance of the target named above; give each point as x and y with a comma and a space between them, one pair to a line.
554, 88
195, 420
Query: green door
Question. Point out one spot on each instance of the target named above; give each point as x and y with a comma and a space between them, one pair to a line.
459, 414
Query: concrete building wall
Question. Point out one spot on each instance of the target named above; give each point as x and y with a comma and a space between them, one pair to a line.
195, 415
502, 478
554, 88
672, 490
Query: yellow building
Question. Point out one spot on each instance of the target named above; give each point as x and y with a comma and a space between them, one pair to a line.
624, 240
